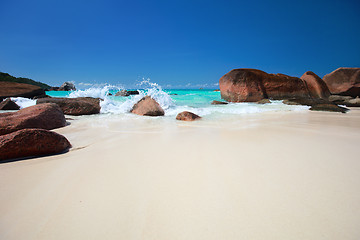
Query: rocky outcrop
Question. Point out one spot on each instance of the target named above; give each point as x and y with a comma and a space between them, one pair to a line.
125, 93
329, 108
316, 86
218, 103
344, 81
147, 106
252, 85
8, 104
14, 89
46, 116
75, 106
187, 116
30, 143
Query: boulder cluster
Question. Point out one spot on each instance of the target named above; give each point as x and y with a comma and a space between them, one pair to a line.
342, 86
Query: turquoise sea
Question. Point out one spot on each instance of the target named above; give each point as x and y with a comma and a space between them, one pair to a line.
173, 101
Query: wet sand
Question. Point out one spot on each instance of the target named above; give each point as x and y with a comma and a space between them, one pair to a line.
283, 175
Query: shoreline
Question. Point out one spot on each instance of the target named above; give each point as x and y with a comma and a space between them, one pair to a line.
264, 176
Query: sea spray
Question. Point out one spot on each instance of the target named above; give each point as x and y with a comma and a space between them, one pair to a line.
23, 102
117, 104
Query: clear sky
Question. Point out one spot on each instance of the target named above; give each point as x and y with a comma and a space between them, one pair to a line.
175, 43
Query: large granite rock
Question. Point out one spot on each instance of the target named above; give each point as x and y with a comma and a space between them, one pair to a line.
46, 116
252, 85
147, 106
75, 106
8, 104
13, 89
344, 81
316, 86
187, 116
31, 142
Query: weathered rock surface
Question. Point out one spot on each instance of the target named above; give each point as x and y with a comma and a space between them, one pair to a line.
316, 86
218, 103
187, 116
8, 104
13, 89
46, 116
31, 142
125, 93
329, 108
147, 106
75, 106
252, 85
342, 80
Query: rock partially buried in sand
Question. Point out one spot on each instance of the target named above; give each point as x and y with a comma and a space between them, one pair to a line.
252, 85
315, 85
218, 103
46, 116
14, 89
75, 106
328, 108
147, 106
345, 100
187, 116
344, 81
8, 104
31, 142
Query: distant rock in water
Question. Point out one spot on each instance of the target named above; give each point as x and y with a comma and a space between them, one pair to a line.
75, 106
316, 86
147, 106
31, 143
67, 86
263, 101
344, 81
187, 116
14, 89
125, 93
45, 116
218, 103
8, 104
252, 85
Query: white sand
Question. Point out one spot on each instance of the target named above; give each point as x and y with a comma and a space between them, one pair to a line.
270, 176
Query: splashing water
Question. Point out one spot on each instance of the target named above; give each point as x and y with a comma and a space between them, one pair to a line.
23, 102
112, 104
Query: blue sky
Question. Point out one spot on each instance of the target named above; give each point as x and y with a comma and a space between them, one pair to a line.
174, 43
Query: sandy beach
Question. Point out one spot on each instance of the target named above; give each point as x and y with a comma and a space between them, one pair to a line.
275, 175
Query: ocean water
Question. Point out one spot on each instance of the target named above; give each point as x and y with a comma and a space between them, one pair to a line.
172, 101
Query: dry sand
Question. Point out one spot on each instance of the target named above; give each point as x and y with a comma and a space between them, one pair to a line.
269, 176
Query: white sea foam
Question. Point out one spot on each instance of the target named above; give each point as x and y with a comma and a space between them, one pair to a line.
23, 102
